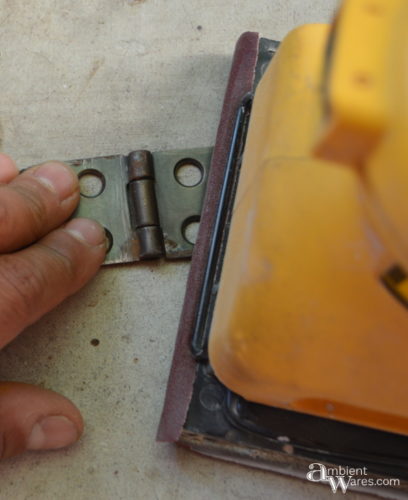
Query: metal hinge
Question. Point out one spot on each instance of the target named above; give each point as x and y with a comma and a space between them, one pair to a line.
147, 202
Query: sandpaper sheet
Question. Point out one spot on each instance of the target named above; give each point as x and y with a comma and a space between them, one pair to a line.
182, 374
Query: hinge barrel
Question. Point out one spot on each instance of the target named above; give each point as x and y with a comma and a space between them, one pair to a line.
143, 205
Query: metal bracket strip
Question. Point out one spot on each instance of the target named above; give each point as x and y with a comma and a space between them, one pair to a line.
143, 203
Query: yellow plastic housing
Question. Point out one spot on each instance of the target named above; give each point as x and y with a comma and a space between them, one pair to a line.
304, 319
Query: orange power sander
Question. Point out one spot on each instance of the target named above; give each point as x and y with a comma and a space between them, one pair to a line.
293, 341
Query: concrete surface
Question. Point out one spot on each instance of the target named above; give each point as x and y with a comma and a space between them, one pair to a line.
99, 77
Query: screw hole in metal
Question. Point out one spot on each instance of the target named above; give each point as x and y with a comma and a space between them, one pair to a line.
109, 240
189, 172
190, 229
91, 183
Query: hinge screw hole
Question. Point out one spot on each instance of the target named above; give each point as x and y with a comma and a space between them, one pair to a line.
91, 183
109, 240
189, 172
190, 229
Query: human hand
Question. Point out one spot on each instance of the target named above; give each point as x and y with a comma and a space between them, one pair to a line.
42, 262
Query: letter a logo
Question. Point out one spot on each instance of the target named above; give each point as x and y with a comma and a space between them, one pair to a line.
317, 473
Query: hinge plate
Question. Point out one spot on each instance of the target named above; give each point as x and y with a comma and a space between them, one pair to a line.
105, 197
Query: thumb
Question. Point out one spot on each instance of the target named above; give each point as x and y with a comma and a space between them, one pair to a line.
32, 418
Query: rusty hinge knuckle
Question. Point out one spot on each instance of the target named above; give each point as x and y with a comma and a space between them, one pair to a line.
143, 205
140, 165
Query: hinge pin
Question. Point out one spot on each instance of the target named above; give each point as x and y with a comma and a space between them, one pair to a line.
143, 205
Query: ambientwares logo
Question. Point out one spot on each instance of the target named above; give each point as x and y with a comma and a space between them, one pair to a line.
341, 478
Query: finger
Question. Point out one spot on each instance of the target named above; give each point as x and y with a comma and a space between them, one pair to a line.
34, 280
8, 169
35, 419
36, 202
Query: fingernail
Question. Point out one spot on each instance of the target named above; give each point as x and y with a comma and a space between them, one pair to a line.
57, 177
87, 230
52, 433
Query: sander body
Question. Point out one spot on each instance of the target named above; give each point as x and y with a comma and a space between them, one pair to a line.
292, 345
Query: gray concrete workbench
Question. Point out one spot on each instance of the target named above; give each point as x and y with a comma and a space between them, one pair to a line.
99, 77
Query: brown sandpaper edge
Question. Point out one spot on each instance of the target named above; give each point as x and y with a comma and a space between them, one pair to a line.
183, 369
